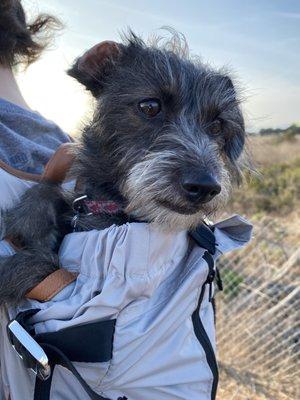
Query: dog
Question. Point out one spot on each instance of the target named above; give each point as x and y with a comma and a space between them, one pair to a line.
163, 145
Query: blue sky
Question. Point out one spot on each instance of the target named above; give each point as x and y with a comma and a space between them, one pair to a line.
258, 39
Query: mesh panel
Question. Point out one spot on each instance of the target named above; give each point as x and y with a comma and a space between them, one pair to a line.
258, 321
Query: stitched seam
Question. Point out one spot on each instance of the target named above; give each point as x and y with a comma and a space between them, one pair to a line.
148, 252
110, 361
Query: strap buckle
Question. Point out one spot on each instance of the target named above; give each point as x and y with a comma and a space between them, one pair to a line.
31, 353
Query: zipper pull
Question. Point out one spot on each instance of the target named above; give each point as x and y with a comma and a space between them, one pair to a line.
209, 281
210, 292
219, 279
211, 272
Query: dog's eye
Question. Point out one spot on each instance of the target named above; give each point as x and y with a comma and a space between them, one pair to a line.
150, 107
216, 127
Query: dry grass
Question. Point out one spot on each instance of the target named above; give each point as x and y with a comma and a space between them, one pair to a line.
275, 189
258, 311
267, 150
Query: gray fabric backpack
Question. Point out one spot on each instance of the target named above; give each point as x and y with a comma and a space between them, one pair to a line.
136, 324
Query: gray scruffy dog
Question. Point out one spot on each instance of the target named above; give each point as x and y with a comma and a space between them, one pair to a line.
163, 144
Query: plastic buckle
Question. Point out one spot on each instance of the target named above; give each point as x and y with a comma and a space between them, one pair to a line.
30, 352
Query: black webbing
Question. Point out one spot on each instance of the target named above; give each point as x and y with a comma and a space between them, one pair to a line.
204, 237
57, 357
62, 348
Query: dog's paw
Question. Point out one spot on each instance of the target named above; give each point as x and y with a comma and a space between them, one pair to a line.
23, 271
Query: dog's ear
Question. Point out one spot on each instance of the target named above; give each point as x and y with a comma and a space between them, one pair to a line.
95, 64
236, 141
234, 145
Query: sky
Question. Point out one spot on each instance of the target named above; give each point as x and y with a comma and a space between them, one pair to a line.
258, 40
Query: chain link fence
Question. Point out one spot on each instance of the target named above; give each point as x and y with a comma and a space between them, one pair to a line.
258, 322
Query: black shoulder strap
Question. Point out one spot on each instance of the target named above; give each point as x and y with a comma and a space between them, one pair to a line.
204, 236
57, 357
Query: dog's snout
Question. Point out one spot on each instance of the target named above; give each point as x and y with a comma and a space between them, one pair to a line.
200, 188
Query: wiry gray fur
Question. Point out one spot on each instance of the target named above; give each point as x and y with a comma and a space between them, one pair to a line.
135, 160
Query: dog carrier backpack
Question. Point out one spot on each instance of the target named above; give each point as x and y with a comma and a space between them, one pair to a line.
137, 323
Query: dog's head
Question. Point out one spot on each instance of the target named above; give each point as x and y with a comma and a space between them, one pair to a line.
167, 132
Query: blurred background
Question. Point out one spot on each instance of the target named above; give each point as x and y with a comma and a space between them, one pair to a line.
258, 312
259, 40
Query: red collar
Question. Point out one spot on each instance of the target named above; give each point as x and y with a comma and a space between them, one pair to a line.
82, 205
98, 207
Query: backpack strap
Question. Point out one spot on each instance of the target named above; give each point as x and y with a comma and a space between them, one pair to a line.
62, 348
204, 236
57, 357
57, 168
51, 285
26, 176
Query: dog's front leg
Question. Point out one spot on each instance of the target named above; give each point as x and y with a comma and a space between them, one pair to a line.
35, 225
23, 271
36, 220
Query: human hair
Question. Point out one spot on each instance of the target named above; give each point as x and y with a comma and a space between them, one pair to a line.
22, 42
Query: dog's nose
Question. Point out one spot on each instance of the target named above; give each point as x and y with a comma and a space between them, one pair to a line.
200, 188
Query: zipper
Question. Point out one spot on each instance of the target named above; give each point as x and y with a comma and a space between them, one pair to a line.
199, 329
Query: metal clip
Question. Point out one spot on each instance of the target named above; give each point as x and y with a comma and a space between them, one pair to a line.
28, 349
79, 208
